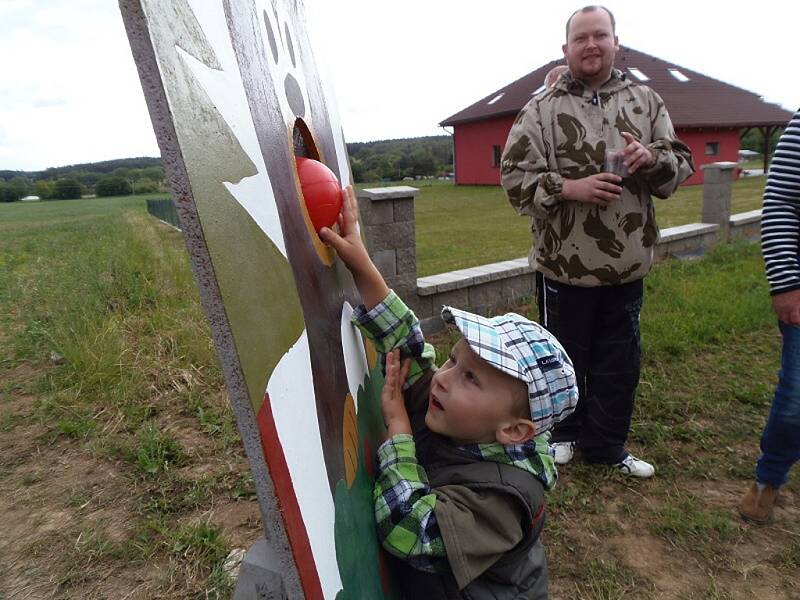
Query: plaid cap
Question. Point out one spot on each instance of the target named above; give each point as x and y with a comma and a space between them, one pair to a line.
527, 351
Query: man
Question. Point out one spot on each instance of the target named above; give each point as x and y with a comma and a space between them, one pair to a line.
780, 243
594, 232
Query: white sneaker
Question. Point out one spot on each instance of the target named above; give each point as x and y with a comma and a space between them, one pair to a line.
564, 451
635, 467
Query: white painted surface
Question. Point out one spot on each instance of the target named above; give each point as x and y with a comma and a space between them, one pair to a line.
226, 90
355, 357
291, 392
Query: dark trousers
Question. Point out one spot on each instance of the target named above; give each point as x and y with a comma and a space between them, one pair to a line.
599, 329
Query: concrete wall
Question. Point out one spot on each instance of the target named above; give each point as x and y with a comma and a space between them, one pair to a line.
387, 218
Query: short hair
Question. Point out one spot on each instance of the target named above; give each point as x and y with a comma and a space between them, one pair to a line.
592, 8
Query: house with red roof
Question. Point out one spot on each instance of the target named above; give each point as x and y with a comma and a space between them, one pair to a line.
709, 115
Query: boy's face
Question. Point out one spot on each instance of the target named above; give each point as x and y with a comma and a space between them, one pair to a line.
470, 401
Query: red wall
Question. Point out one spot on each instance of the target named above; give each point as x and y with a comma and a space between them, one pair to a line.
696, 139
473, 149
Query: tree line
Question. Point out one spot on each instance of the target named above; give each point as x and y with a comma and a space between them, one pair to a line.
754, 140
119, 177
370, 161
392, 160
395, 159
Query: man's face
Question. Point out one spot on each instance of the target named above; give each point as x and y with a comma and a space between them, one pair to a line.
591, 47
469, 399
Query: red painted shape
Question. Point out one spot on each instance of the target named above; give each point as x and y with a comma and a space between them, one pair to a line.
383, 569
321, 192
287, 500
369, 460
474, 149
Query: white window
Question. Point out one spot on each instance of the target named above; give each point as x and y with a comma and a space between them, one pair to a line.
678, 75
638, 74
496, 98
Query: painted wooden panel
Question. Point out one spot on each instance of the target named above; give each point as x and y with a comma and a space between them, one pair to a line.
234, 97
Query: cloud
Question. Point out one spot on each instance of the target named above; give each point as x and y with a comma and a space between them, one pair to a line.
71, 90
48, 102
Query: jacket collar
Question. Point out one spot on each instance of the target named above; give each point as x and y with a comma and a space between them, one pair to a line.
572, 86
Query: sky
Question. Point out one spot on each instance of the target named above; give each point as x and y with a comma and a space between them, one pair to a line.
70, 93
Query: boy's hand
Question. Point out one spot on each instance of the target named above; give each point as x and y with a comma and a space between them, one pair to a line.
350, 248
392, 402
347, 242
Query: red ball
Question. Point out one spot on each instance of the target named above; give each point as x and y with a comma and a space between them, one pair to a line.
321, 192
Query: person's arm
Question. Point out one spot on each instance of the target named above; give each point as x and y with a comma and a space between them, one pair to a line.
780, 225
404, 506
670, 160
391, 325
350, 248
535, 190
383, 317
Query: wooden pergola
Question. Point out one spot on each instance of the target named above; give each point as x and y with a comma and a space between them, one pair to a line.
767, 131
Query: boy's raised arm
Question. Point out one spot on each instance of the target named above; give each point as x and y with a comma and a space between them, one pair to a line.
384, 318
350, 248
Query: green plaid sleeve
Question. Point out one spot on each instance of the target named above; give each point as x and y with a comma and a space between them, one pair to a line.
404, 503
390, 325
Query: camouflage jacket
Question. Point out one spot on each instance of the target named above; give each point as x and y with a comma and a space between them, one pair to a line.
563, 133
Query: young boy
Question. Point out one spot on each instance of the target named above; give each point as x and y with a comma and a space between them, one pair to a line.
459, 496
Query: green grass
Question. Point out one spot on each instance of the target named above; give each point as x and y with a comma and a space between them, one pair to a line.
102, 284
608, 580
710, 358
687, 525
137, 322
156, 451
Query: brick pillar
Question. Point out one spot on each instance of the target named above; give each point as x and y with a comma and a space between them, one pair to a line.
387, 216
717, 180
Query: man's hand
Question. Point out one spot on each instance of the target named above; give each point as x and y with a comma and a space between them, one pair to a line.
787, 307
350, 248
392, 402
602, 189
637, 156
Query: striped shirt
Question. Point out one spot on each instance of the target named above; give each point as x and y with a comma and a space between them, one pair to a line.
780, 219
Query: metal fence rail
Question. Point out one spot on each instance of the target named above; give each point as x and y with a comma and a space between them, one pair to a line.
165, 211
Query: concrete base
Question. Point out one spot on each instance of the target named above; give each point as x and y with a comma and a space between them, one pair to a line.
259, 577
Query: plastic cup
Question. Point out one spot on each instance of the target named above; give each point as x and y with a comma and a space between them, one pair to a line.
614, 162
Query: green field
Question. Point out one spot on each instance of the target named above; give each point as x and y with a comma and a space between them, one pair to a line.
466, 226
